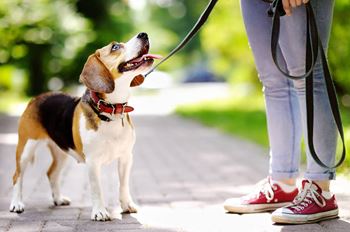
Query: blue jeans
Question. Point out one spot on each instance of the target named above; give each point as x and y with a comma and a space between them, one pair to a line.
284, 98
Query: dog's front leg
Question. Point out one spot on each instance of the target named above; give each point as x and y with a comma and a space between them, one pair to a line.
126, 202
99, 212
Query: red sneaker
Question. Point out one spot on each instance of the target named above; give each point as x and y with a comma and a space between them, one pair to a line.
308, 207
268, 197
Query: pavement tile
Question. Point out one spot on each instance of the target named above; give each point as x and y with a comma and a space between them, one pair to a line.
26, 226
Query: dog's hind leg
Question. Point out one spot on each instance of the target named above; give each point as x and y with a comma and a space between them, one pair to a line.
59, 158
24, 154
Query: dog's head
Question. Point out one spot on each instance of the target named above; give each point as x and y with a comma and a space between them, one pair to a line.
117, 60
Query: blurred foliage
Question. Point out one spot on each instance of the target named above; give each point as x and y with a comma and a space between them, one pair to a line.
339, 49
40, 37
225, 42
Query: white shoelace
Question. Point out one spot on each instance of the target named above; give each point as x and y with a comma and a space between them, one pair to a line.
307, 196
266, 188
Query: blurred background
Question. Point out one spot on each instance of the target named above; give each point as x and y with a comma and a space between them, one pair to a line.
45, 43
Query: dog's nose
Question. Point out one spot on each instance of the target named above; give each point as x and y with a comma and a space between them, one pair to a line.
142, 35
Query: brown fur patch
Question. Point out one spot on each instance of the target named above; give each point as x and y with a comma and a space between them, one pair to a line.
76, 133
92, 120
129, 120
19, 150
29, 124
53, 165
96, 76
29, 128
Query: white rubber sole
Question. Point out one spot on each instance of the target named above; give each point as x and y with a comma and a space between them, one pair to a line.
304, 218
256, 208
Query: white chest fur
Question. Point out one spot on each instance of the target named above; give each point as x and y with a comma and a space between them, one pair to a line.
121, 92
110, 141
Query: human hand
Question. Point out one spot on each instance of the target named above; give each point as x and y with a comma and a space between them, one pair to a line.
289, 4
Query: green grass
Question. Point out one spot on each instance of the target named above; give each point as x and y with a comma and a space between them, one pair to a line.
245, 117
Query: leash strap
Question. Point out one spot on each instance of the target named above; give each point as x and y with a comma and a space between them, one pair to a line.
200, 22
313, 46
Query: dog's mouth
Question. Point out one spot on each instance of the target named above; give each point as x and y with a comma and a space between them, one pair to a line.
135, 63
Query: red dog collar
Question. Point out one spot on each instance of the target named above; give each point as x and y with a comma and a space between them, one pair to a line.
104, 107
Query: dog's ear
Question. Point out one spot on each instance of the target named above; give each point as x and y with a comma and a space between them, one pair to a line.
96, 77
138, 80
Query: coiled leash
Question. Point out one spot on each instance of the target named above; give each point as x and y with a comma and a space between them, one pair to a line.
313, 46
200, 22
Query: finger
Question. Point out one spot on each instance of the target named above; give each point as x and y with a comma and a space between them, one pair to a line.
305, 1
299, 2
286, 7
293, 3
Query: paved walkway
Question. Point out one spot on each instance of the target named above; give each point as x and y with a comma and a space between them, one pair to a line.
182, 173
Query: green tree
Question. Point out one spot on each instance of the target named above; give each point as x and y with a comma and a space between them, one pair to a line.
110, 20
339, 47
225, 42
40, 36
168, 22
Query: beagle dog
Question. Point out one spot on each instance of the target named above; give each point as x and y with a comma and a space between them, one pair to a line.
95, 129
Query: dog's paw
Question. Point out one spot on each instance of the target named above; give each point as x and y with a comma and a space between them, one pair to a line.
16, 207
100, 214
61, 201
129, 207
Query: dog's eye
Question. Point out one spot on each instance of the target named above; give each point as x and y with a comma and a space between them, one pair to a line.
115, 47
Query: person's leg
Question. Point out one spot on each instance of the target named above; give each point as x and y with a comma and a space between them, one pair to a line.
282, 106
292, 43
283, 120
314, 202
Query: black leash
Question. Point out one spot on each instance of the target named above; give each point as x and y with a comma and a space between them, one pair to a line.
200, 22
313, 46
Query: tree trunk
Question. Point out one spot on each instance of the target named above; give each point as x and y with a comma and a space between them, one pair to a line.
37, 79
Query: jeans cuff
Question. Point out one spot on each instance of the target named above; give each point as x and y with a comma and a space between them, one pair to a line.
330, 175
284, 175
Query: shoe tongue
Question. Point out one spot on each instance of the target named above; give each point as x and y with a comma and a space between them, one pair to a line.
314, 185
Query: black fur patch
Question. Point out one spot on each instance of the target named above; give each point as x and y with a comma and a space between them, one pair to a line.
56, 115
